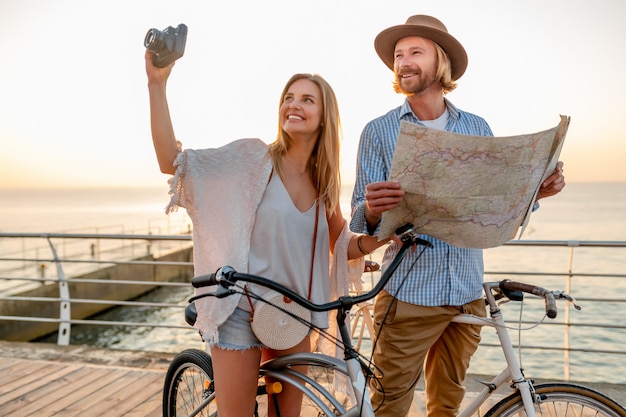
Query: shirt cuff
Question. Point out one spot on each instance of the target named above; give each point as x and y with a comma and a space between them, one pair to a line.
358, 223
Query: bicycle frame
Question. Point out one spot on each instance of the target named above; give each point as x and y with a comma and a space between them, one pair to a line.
278, 368
512, 373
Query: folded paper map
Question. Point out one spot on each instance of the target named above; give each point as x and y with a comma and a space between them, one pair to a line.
470, 191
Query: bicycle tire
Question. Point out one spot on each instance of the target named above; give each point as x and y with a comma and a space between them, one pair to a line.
188, 382
560, 400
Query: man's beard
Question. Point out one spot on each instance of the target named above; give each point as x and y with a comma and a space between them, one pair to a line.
425, 81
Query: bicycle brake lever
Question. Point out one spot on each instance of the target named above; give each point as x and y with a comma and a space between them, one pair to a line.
566, 296
423, 242
223, 292
220, 293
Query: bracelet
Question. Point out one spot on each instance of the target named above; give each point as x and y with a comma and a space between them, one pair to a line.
360, 245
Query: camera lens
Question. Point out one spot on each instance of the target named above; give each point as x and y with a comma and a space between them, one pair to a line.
149, 38
154, 40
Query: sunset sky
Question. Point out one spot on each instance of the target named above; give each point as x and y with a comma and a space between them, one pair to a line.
74, 102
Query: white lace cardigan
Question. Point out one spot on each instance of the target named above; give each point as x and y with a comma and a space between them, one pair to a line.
221, 189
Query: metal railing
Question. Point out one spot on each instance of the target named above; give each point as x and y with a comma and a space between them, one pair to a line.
24, 269
17, 284
596, 282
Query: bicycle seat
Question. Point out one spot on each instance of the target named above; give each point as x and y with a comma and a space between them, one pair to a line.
191, 314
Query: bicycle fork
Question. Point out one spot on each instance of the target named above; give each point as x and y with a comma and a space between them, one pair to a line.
355, 371
359, 387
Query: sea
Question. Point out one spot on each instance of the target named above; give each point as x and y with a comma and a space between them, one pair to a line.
581, 212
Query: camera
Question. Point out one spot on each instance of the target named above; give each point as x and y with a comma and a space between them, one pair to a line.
167, 45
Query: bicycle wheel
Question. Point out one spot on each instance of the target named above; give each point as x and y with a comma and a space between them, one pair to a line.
188, 383
560, 400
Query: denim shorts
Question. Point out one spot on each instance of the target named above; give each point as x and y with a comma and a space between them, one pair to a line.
236, 333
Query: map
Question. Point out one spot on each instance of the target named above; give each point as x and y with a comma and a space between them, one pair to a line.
470, 191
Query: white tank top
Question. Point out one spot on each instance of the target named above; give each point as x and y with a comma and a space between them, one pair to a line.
280, 247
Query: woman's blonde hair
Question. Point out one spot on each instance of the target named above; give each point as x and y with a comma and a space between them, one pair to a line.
443, 74
324, 161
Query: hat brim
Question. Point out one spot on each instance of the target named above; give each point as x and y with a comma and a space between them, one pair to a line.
385, 44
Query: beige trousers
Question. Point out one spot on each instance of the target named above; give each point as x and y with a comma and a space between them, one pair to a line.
416, 338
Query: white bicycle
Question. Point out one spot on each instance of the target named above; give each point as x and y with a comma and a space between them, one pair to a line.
189, 388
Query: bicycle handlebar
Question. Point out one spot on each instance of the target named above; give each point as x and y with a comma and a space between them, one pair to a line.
226, 277
533, 289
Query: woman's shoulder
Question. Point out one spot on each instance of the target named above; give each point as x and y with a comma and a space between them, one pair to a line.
247, 144
236, 149
245, 149
252, 144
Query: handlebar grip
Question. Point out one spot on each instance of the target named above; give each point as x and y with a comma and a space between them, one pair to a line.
550, 305
204, 280
551, 310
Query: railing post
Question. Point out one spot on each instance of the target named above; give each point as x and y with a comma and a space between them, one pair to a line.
63, 338
567, 327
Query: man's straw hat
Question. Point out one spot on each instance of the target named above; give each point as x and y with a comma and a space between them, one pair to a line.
427, 27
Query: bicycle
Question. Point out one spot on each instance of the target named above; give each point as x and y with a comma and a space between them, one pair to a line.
189, 388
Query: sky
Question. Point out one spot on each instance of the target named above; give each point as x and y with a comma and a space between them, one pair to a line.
74, 99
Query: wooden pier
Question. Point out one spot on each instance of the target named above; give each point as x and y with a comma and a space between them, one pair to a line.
45, 380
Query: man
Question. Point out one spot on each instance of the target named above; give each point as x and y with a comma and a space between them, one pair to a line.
418, 335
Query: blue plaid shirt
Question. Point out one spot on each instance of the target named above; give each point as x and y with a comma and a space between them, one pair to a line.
445, 274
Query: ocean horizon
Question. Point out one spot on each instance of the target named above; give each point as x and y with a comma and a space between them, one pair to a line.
583, 211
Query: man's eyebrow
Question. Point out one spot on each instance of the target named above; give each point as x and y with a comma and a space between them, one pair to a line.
410, 48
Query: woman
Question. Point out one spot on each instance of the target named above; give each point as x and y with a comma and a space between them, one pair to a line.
266, 210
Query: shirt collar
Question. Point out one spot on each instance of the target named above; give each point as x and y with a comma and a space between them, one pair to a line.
407, 114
